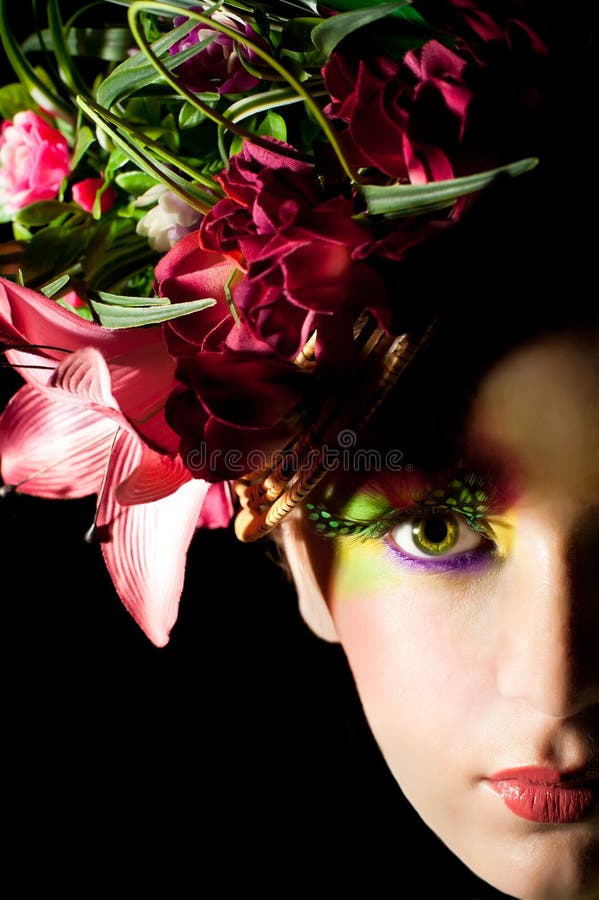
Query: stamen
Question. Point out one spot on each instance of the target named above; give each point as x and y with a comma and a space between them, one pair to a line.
91, 535
9, 365
7, 489
6, 346
30, 348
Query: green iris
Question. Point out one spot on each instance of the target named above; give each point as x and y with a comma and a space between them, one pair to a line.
435, 535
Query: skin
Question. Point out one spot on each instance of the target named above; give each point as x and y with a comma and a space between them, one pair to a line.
468, 672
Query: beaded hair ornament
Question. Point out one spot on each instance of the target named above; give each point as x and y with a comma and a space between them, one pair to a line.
211, 206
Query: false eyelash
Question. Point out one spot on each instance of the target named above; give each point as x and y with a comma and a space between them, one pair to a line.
464, 496
328, 525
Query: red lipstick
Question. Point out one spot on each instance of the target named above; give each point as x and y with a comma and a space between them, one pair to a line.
547, 795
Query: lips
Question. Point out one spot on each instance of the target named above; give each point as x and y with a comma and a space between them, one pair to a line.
547, 795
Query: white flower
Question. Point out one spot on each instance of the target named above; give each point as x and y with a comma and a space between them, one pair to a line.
168, 221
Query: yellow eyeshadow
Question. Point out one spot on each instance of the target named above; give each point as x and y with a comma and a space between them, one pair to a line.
358, 564
504, 531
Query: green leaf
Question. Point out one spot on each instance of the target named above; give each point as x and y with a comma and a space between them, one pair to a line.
43, 212
297, 32
327, 35
398, 200
274, 126
117, 159
21, 67
110, 44
51, 250
135, 183
13, 99
137, 152
54, 286
68, 71
121, 300
190, 116
19, 231
85, 138
112, 316
347, 5
136, 72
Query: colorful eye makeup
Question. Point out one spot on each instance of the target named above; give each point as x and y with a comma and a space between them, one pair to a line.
437, 528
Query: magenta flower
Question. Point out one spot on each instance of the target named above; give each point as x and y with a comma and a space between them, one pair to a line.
442, 113
405, 119
217, 66
92, 422
34, 160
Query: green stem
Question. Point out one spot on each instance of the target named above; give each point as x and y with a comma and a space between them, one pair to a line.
256, 103
198, 200
24, 72
148, 5
159, 149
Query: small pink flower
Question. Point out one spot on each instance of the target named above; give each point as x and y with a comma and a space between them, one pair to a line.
84, 193
34, 159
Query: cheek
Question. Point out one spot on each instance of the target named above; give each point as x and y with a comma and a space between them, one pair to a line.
415, 647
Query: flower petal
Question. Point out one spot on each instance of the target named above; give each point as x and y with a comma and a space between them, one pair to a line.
57, 450
29, 317
145, 545
155, 477
85, 378
121, 392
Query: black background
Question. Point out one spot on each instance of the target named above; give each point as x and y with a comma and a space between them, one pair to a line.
239, 752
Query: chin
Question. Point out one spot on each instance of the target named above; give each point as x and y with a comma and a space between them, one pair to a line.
548, 864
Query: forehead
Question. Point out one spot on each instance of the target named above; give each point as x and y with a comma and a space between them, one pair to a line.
528, 415
539, 406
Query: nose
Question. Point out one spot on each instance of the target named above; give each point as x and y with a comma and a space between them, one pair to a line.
548, 636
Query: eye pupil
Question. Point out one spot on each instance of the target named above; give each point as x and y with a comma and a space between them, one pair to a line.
435, 535
435, 529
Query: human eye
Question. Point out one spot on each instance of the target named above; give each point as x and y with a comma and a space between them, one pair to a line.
434, 536
443, 529
440, 542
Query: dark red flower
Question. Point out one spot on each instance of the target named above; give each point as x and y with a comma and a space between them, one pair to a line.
297, 249
281, 260
405, 119
442, 113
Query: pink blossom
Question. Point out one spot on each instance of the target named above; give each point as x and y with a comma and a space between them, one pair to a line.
90, 420
84, 193
34, 160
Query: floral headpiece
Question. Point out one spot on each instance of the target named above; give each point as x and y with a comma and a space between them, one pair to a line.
211, 205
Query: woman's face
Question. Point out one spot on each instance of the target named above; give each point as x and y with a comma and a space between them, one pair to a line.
476, 651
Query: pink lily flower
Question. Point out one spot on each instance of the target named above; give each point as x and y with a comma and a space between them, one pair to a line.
90, 420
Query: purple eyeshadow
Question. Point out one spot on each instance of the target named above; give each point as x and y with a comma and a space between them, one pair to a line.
470, 561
